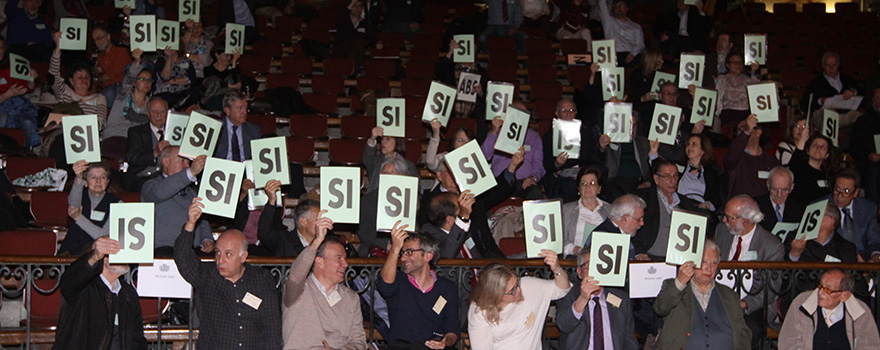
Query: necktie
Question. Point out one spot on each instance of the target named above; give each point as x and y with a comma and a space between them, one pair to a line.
598, 332
778, 213
739, 247
848, 224
161, 134
504, 14
236, 152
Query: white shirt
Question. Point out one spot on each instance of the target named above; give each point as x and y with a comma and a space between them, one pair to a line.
833, 315
156, 131
628, 36
683, 23
115, 288
746, 242
585, 216
834, 82
334, 293
302, 239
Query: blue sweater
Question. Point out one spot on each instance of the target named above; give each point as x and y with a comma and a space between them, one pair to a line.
23, 30
411, 312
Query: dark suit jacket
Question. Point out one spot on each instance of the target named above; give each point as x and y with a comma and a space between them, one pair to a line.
610, 227
867, 232
837, 247
575, 333
644, 239
697, 28
793, 211
450, 243
820, 87
611, 157
139, 150
767, 247
274, 235
711, 71
249, 131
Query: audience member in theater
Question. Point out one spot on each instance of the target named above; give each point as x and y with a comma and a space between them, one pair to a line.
112, 59
129, 108
594, 317
742, 239
450, 216
683, 29
145, 143
863, 149
586, 210
733, 99
700, 180
830, 246
240, 12
699, 313
238, 303
98, 309
560, 180
829, 84
532, 169
272, 232
574, 21
449, 72
829, 317
389, 148
176, 74
716, 62
236, 145
372, 243
355, 34
858, 223
16, 110
460, 137
629, 41
788, 145
627, 163
626, 215
813, 162
173, 193
198, 46
421, 305
221, 77
79, 76
505, 18
90, 211
404, 16
639, 86
669, 96
745, 159
28, 34
319, 310
778, 205
507, 312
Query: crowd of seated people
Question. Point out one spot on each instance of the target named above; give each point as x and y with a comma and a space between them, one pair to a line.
732, 172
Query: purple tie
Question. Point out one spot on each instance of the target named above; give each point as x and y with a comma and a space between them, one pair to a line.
598, 332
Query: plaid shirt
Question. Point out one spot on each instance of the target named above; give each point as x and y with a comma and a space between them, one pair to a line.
227, 322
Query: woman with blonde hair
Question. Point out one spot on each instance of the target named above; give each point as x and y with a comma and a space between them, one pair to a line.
508, 312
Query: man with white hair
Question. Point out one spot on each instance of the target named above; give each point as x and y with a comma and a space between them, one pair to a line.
627, 215
742, 239
778, 205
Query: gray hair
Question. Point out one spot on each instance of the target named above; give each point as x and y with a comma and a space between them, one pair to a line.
830, 54
626, 205
780, 170
832, 211
749, 209
303, 209
582, 256
710, 245
399, 164
232, 96
847, 282
428, 244
165, 154
155, 98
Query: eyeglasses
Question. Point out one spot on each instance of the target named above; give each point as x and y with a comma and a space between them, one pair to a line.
827, 290
461, 140
513, 291
409, 252
590, 184
728, 217
145, 79
586, 262
567, 110
844, 191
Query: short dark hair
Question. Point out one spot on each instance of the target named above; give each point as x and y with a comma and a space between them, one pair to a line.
468, 132
850, 174
399, 145
590, 170
442, 206
99, 165
76, 67
659, 164
847, 282
330, 238
302, 209
100, 26
428, 244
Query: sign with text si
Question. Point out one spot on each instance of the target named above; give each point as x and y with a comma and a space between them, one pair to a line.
660, 79
499, 95
132, 224
465, 51
470, 168
609, 253
175, 126
340, 193
467, 87
234, 38
704, 106
257, 199
687, 234
270, 161
19, 68
567, 137
143, 32
604, 54
665, 125
763, 102
123, 3
612, 83
812, 219
168, 34
220, 185
543, 226
513, 131
161, 279
691, 71
618, 122
782, 229
439, 103
830, 125
74, 34
81, 140
398, 196
189, 9
390, 116
756, 49
200, 137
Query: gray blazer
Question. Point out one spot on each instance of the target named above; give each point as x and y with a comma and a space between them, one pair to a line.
570, 219
768, 248
173, 195
575, 333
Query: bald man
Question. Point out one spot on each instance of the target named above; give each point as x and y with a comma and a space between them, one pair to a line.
238, 304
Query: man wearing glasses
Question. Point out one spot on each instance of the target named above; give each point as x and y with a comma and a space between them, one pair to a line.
858, 215
593, 315
627, 216
829, 317
560, 182
778, 206
110, 66
422, 307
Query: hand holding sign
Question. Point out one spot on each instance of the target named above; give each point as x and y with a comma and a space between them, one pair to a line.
398, 197
389, 116
439, 103
132, 225
687, 234
270, 160
666, 123
201, 136
189, 9
704, 106
830, 125
499, 95
74, 33
612, 83
764, 102
811, 221
618, 122
234, 37
543, 226
567, 138
470, 168
340, 195
604, 53
81, 139
782, 229
168, 34
608, 258
756, 49
19, 68
514, 130
691, 70
143, 32
220, 186
464, 52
